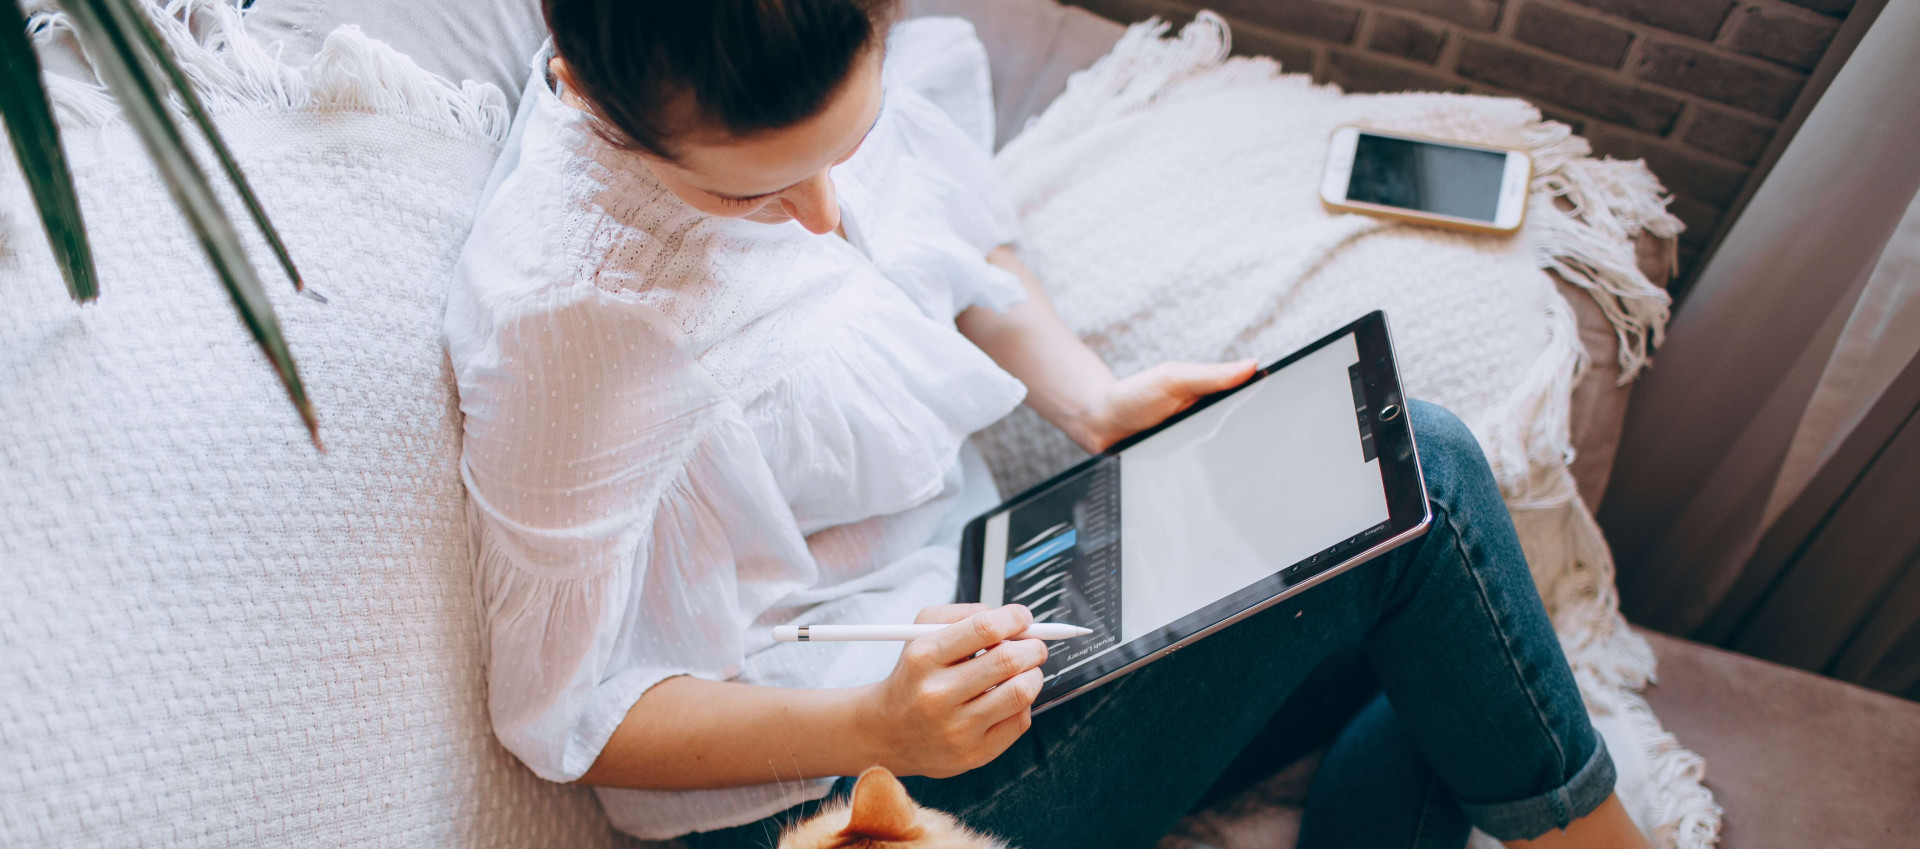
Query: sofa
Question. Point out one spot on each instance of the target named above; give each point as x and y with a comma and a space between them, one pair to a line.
347, 729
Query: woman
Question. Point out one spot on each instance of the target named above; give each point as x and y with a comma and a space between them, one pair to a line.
741, 289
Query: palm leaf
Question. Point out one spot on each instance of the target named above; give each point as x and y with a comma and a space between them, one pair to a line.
110, 28
181, 85
36, 144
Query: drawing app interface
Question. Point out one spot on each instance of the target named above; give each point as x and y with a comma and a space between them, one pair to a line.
1263, 479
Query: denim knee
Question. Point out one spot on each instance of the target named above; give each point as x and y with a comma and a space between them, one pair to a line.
1468, 507
1444, 440
1454, 467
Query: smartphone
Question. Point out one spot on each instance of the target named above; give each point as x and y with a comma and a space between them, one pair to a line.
1445, 183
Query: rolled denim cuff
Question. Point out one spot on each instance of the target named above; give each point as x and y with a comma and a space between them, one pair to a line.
1528, 818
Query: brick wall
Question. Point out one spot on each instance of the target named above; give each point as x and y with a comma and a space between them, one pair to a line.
1697, 88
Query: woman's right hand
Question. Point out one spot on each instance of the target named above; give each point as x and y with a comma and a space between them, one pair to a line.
944, 711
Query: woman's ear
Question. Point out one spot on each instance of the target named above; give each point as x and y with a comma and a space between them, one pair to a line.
881, 809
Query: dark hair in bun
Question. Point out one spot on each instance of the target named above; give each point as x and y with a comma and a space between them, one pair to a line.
656, 70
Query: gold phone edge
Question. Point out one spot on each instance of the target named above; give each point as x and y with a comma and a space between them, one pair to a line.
1414, 217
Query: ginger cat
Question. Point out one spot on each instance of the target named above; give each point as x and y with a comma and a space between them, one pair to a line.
882, 814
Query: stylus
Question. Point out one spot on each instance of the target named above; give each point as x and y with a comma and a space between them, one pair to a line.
881, 633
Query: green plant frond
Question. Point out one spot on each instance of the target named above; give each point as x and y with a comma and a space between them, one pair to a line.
36, 144
181, 85
110, 30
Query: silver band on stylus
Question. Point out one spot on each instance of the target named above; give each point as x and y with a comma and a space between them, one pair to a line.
803, 633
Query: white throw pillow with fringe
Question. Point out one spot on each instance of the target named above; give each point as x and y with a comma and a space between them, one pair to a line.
1169, 200
210, 633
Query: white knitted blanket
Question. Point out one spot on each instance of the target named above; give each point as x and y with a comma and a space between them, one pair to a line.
1169, 200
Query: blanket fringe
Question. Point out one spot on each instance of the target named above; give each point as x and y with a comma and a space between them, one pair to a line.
234, 73
1590, 244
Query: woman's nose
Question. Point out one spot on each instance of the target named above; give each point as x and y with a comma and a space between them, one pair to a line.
813, 204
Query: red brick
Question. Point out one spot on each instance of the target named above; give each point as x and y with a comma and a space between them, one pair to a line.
1250, 40
1311, 18
1837, 8
1729, 134
1697, 18
1577, 37
1690, 257
1478, 14
1699, 177
1593, 92
1406, 37
1757, 88
1792, 39
1355, 72
1578, 123
1701, 219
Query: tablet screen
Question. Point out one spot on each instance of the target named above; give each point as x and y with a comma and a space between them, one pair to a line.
1266, 477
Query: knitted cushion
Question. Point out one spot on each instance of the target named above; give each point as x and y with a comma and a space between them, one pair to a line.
210, 633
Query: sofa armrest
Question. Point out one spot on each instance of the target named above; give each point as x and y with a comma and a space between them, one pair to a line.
1599, 403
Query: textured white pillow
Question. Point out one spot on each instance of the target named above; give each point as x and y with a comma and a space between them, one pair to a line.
210, 634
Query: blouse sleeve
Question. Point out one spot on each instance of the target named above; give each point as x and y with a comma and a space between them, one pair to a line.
618, 505
938, 83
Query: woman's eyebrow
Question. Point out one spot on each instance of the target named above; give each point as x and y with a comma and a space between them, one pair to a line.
863, 140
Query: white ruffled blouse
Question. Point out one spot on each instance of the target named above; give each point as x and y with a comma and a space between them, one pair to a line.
683, 430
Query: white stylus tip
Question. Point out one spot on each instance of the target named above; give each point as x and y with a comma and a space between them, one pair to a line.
1056, 631
786, 633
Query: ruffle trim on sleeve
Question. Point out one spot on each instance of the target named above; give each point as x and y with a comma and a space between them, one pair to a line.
549, 643
568, 657
869, 422
931, 208
923, 190
945, 275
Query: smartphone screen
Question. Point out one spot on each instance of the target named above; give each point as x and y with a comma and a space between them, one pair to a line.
1462, 182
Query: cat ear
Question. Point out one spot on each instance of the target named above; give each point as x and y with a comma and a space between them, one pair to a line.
881, 809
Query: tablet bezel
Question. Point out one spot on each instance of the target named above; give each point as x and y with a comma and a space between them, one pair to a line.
1409, 516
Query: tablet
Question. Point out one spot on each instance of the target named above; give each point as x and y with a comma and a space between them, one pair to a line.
1246, 498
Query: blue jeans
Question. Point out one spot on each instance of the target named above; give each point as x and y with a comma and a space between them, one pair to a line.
1477, 721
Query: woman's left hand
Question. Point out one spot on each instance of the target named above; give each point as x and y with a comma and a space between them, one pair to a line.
1135, 403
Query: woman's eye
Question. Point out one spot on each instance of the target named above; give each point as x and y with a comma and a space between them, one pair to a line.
738, 202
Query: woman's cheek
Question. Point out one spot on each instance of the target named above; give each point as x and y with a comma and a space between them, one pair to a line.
769, 213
